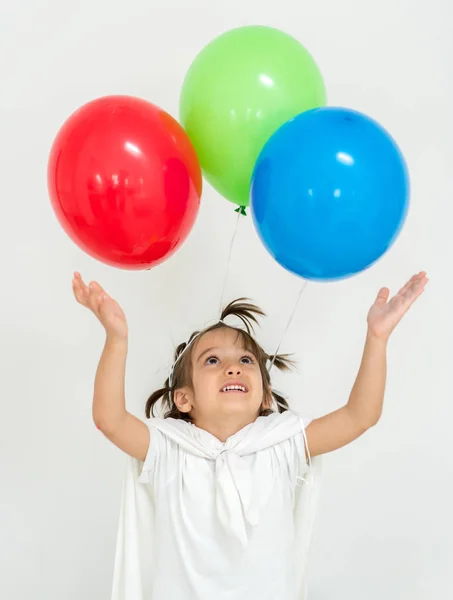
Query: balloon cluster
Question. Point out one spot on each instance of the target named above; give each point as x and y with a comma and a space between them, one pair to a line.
327, 187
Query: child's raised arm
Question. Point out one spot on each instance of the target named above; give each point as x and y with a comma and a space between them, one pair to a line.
364, 407
109, 404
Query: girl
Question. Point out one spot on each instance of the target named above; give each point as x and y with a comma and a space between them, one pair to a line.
212, 507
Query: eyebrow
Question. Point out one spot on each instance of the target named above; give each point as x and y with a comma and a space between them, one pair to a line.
206, 352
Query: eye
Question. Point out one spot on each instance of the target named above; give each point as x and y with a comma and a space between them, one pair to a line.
248, 360
212, 360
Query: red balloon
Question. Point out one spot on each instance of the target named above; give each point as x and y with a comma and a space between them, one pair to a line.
124, 181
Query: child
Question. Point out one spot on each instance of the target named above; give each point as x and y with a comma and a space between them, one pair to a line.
212, 506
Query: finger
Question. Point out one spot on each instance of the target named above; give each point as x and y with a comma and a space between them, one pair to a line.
92, 298
96, 287
416, 289
382, 296
77, 279
95, 293
80, 296
420, 281
106, 304
413, 280
101, 294
407, 285
80, 291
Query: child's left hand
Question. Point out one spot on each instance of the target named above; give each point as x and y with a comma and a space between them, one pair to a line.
385, 314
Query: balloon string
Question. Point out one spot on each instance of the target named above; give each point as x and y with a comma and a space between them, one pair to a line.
302, 290
236, 228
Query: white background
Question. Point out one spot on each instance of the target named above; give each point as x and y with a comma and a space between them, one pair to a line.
385, 528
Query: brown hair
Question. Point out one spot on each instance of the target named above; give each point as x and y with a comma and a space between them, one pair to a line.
182, 373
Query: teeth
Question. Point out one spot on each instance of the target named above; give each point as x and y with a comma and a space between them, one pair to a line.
230, 388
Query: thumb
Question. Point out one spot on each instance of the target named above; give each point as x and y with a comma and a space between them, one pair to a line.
382, 296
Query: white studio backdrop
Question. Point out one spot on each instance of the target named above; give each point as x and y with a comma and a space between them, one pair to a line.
385, 527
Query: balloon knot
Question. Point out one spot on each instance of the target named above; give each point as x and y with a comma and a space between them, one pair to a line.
241, 210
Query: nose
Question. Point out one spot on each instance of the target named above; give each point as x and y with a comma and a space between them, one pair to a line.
234, 370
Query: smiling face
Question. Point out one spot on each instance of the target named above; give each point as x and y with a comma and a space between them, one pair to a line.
226, 380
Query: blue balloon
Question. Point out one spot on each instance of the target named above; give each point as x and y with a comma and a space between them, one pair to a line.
329, 194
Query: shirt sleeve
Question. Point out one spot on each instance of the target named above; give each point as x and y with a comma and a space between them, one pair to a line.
292, 457
305, 458
162, 459
306, 420
154, 454
299, 456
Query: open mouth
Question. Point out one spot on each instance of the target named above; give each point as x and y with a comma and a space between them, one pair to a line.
234, 389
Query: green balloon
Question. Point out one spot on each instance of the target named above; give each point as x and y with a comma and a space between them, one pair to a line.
238, 91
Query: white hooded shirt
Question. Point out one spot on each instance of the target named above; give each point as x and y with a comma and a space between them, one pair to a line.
202, 519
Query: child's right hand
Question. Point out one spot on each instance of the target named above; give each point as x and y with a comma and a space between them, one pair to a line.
107, 310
